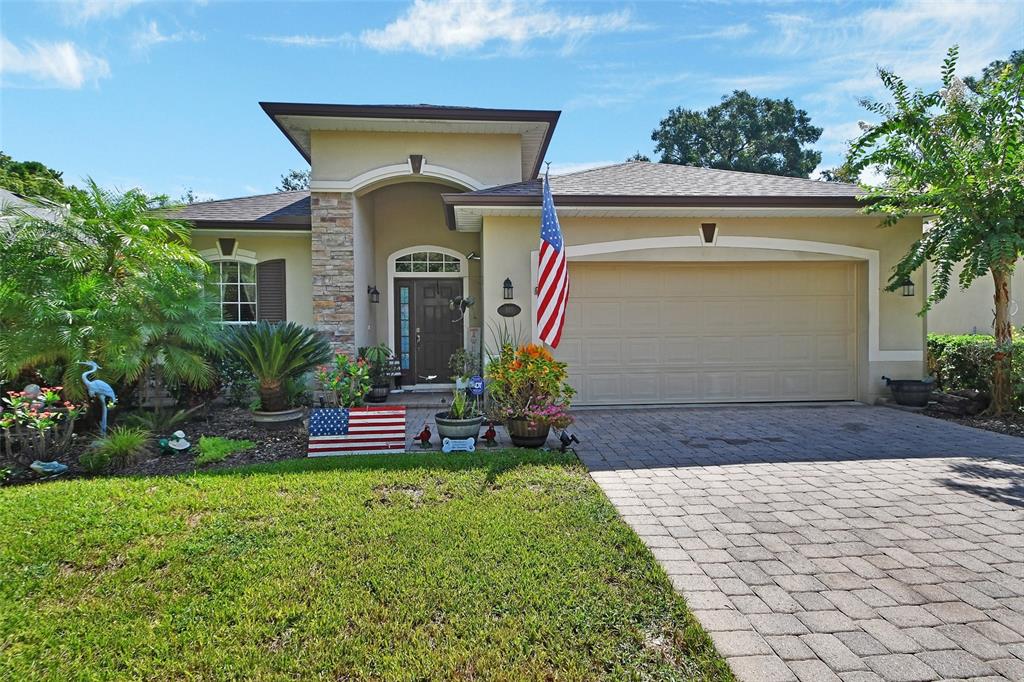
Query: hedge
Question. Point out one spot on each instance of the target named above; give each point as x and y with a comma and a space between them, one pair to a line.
959, 361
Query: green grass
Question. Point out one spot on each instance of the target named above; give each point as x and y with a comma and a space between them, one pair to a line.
507, 565
216, 448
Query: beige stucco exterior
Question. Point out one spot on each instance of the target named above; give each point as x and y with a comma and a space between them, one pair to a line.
970, 311
507, 243
294, 248
489, 159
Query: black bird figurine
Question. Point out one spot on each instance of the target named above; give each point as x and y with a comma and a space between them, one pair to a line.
567, 439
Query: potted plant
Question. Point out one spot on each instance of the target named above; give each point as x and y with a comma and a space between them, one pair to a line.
462, 419
346, 381
278, 355
462, 366
378, 360
530, 393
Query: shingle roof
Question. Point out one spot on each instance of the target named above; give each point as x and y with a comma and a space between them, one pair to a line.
287, 210
645, 179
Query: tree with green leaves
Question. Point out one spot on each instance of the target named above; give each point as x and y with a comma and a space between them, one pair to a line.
107, 280
957, 156
743, 133
637, 156
294, 180
33, 180
993, 70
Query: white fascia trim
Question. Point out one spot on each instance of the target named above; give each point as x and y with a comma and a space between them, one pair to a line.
396, 170
875, 354
393, 274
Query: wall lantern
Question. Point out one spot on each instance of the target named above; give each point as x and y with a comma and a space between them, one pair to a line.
374, 294
507, 289
908, 287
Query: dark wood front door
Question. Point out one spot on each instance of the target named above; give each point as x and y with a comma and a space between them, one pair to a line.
425, 331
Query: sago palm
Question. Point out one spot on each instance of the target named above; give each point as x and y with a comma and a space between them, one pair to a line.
276, 353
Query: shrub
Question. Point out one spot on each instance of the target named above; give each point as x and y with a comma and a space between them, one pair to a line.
277, 353
348, 379
238, 385
964, 361
120, 446
528, 383
216, 449
378, 359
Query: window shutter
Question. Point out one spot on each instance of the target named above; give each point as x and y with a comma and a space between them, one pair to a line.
270, 291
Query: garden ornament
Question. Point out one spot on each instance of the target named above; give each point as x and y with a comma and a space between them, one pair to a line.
567, 439
458, 444
32, 392
100, 389
460, 303
424, 437
490, 435
177, 442
48, 468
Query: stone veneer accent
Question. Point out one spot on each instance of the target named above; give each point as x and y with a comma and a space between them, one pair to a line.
333, 275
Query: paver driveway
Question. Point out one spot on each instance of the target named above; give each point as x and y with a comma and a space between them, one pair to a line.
828, 542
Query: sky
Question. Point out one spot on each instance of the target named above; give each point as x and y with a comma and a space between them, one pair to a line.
164, 95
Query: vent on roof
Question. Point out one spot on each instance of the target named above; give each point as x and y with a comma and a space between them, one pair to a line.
708, 232
227, 247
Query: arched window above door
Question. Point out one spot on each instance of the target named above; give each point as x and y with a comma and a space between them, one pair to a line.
428, 262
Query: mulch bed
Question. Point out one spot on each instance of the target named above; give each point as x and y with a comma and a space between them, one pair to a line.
218, 420
1011, 425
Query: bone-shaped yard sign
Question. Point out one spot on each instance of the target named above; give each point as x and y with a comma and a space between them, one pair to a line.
458, 444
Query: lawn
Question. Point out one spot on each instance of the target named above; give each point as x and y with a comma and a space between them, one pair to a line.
495, 565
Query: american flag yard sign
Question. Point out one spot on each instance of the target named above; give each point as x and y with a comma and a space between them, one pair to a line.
356, 430
553, 278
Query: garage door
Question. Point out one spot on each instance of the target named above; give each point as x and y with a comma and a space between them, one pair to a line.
724, 332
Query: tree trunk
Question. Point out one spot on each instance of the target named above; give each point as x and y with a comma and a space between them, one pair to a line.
273, 397
1002, 372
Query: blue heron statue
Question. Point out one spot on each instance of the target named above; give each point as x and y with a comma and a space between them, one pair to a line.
98, 388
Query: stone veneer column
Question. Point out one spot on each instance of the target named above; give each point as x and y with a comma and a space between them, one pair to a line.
333, 275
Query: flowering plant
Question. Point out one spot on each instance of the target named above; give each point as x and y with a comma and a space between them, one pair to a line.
348, 379
528, 383
31, 421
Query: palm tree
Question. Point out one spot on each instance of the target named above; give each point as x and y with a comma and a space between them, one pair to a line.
109, 280
277, 353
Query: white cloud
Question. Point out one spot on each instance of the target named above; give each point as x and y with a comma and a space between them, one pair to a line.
730, 32
60, 64
451, 26
150, 36
81, 11
309, 41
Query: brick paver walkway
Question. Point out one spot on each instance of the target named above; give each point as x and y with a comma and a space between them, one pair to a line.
828, 543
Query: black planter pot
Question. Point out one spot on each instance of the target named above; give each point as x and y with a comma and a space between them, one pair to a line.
910, 392
378, 394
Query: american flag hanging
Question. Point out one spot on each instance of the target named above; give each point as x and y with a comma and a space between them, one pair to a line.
553, 281
356, 430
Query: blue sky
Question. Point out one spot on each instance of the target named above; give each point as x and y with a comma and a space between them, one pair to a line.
164, 95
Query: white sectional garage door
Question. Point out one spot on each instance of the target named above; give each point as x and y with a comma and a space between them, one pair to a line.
725, 332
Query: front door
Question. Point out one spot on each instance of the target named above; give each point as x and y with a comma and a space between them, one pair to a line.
427, 330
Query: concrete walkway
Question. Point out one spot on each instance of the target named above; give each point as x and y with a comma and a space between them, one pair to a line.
829, 542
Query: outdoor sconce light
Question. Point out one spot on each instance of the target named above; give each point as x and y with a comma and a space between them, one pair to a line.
507, 289
908, 287
374, 294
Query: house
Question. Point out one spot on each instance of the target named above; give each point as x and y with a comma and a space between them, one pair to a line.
688, 284
972, 310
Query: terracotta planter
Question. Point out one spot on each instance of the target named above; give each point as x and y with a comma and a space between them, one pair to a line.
524, 435
458, 428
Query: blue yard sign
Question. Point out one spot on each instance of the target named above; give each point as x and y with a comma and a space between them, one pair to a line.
476, 385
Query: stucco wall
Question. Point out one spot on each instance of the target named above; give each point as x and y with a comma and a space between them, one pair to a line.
408, 215
508, 241
489, 159
295, 249
364, 270
971, 310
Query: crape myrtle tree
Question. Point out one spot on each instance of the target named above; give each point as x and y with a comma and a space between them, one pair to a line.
955, 155
108, 279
